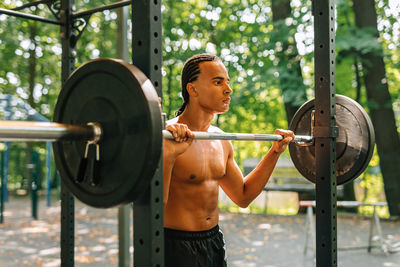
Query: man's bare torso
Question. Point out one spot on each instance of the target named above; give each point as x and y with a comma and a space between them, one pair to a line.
193, 170
193, 200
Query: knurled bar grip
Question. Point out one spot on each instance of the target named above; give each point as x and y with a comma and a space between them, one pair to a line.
52, 131
241, 136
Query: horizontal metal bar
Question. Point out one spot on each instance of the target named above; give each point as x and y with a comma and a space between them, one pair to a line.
47, 131
34, 3
241, 136
52, 131
28, 16
99, 9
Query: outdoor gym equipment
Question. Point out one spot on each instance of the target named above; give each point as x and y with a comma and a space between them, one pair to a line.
108, 125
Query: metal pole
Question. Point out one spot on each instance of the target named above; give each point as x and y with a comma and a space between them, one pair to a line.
48, 174
325, 142
67, 200
28, 16
124, 212
7, 151
47, 131
33, 3
84, 13
148, 209
33, 168
2, 187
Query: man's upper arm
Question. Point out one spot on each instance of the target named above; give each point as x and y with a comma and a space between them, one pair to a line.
232, 182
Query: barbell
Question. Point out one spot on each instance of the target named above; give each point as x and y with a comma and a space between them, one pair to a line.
92, 133
108, 132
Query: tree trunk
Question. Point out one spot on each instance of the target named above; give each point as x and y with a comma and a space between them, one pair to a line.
382, 115
32, 63
358, 79
31, 102
290, 76
291, 83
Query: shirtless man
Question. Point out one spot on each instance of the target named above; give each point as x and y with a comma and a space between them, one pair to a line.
194, 169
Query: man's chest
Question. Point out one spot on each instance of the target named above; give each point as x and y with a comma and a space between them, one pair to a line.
204, 160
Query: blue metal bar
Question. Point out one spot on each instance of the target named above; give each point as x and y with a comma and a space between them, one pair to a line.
5, 170
48, 174
7, 151
2, 187
34, 170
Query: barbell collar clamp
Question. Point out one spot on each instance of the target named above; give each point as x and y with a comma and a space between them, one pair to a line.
97, 132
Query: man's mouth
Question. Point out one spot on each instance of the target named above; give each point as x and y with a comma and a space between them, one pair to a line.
227, 101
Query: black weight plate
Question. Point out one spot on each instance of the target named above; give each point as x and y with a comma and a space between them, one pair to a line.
354, 144
123, 101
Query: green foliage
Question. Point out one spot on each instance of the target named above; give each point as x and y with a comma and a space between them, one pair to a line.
15, 46
241, 33
351, 42
360, 41
372, 184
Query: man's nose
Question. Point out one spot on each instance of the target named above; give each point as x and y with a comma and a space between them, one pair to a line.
227, 90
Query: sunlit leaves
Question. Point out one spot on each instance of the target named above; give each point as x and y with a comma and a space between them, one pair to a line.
362, 41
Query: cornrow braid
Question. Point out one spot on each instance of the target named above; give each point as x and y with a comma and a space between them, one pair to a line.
190, 73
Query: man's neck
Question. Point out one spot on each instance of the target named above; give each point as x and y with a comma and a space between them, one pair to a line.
196, 120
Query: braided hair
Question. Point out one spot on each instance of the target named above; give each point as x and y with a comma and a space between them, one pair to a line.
190, 73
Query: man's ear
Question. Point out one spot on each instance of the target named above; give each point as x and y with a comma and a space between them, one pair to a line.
191, 88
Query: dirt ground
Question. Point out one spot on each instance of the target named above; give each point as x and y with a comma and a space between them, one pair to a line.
251, 239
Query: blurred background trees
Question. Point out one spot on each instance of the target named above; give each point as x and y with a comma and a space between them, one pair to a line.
267, 47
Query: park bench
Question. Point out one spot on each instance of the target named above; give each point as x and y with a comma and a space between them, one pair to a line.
284, 178
304, 190
383, 244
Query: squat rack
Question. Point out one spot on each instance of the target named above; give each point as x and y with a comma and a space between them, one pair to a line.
147, 56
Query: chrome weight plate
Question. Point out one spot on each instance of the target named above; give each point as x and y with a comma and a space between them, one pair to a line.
354, 144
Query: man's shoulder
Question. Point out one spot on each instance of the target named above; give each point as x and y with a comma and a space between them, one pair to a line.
214, 129
172, 121
211, 129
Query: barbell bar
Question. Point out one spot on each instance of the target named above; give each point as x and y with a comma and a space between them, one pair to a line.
241, 136
92, 132
48, 131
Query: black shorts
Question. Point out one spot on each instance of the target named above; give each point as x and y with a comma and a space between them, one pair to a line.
194, 249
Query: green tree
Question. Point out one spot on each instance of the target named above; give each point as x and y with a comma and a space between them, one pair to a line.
380, 104
240, 33
287, 57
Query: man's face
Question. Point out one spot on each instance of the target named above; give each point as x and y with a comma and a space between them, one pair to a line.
212, 87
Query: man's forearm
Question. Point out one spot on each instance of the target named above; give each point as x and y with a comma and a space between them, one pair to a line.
256, 180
